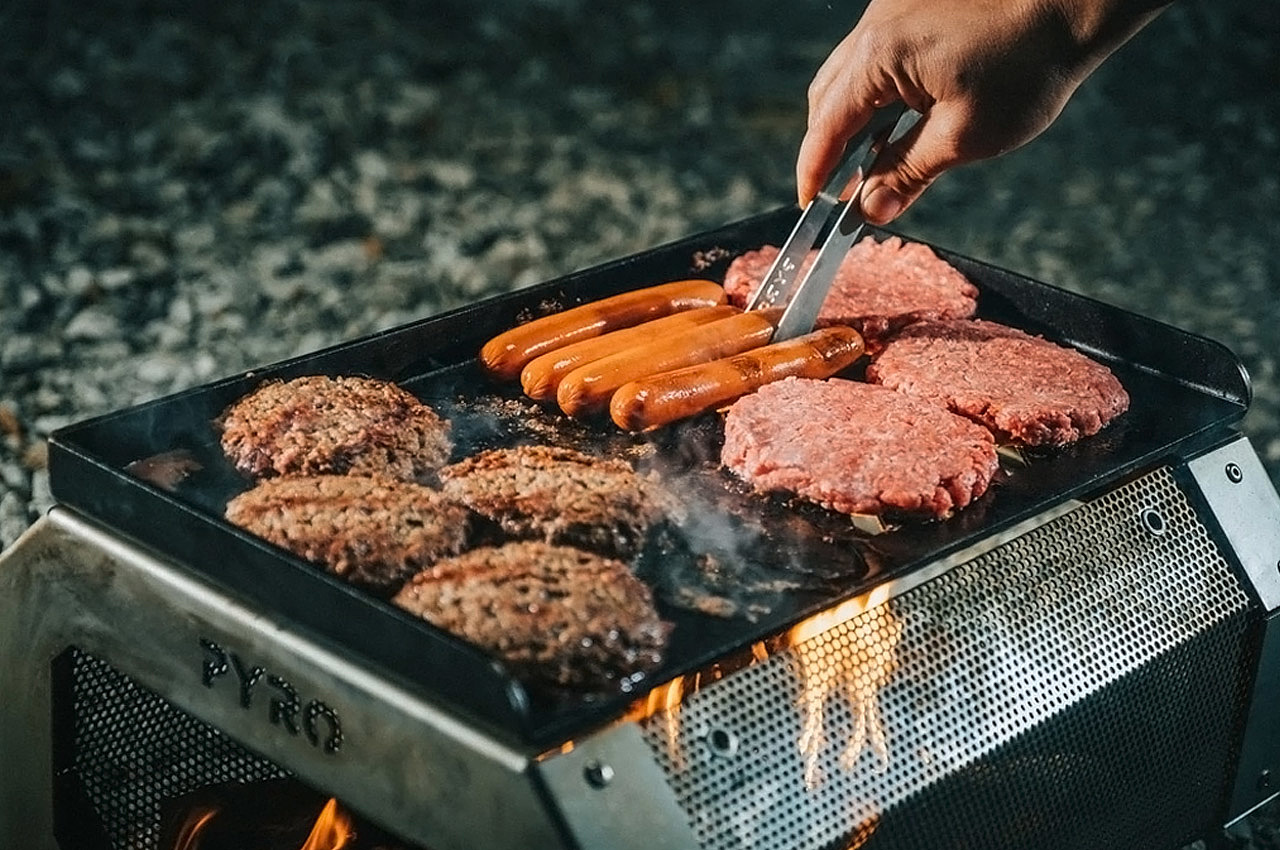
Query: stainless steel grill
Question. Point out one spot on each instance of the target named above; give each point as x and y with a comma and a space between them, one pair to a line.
1086, 658
824, 740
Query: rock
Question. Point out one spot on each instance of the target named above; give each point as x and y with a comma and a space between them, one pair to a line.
117, 278
19, 352
66, 84
13, 517
36, 457
372, 166
10, 424
46, 425
41, 495
453, 175
149, 258
157, 370
195, 238
79, 281
92, 324
14, 476
46, 398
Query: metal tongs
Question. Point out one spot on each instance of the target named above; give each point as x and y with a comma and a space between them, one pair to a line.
802, 296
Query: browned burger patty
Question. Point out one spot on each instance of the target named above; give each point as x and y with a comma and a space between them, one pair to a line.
556, 614
857, 448
879, 288
1024, 388
556, 495
320, 425
374, 532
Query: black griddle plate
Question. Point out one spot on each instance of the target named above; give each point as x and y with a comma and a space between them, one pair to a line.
750, 566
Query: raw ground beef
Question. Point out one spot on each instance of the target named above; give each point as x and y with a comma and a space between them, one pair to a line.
558, 615
374, 532
879, 288
318, 425
857, 448
1026, 389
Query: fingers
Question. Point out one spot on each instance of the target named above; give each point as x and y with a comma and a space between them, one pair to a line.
831, 125
908, 166
842, 96
819, 154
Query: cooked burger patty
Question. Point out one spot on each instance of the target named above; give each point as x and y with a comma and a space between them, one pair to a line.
879, 288
857, 448
556, 495
556, 614
321, 425
1024, 388
374, 532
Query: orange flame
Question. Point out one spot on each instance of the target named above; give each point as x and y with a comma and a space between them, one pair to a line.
855, 663
866, 665
189, 835
863, 833
333, 829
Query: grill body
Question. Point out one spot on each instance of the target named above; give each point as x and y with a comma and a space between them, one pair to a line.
1084, 679
1085, 658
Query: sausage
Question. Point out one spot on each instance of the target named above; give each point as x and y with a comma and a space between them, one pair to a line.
589, 388
542, 375
660, 399
507, 353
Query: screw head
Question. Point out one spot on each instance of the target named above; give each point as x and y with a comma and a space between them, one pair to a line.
1234, 473
1154, 521
723, 743
598, 774
1264, 780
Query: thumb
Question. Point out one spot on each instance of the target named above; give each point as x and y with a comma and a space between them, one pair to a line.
910, 164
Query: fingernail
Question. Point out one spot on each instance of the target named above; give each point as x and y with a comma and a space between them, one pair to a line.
882, 205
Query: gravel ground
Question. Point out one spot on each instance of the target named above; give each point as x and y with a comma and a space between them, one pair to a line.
189, 192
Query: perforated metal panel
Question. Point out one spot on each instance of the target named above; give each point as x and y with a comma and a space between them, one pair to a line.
1078, 686
130, 749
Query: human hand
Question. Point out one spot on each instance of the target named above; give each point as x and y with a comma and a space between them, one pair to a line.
987, 76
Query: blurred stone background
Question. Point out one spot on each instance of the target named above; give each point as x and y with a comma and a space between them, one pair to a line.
190, 190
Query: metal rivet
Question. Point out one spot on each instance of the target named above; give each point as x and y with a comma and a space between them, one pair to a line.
1234, 473
1264, 780
723, 742
598, 774
1154, 521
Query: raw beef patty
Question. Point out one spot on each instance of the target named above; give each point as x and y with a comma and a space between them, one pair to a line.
879, 288
1026, 389
857, 448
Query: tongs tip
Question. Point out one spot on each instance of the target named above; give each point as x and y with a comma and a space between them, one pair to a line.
787, 283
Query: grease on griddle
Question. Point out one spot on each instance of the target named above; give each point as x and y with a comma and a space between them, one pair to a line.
166, 470
703, 260
495, 421
720, 592
545, 307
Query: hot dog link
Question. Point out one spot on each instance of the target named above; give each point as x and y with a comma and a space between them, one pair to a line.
507, 353
542, 375
663, 398
590, 387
